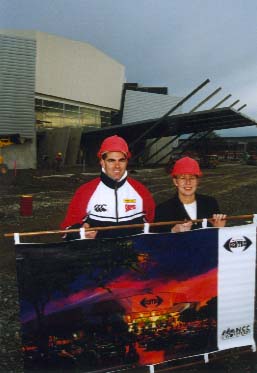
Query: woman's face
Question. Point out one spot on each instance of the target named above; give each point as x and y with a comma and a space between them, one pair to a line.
186, 184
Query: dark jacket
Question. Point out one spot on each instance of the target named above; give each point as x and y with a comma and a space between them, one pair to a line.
173, 209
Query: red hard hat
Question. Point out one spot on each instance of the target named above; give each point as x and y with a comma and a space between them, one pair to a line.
186, 165
114, 144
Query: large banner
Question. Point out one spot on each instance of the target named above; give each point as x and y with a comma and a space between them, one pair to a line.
111, 304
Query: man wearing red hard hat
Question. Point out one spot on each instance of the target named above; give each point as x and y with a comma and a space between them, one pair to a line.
113, 198
187, 204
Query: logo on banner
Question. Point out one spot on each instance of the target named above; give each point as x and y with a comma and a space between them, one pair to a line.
152, 301
236, 332
156, 301
237, 244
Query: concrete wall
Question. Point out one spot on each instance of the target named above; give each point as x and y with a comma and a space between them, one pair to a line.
23, 154
64, 140
73, 146
77, 71
51, 142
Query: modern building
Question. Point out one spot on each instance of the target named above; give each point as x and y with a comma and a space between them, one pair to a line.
52, 90
60, 95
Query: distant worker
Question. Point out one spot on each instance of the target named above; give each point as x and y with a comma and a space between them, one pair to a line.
187, 204
113, 198
58, 161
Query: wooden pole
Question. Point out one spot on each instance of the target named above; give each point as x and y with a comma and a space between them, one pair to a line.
127, 226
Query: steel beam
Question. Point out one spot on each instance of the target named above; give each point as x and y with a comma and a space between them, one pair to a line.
242, 107
221, 102
205, 100
181, 102
234, 103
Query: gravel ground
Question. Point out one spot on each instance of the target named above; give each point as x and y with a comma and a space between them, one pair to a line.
234, 186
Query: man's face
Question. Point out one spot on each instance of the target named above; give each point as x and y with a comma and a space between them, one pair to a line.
115, 165
186, 184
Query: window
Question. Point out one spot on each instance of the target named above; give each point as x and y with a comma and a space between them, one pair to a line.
68, 107
71, 119
53, 104
51, 113
105, 118
90, 117
54, 116
38, 102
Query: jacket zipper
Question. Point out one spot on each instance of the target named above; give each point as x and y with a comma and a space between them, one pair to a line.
116, 202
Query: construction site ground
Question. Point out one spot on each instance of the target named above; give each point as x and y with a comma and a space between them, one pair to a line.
233, 184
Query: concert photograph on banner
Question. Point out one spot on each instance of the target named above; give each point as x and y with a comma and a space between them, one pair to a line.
87, 305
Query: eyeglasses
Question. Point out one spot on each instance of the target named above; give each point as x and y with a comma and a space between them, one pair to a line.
187, 178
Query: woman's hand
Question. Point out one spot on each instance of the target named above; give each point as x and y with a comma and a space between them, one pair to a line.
184, 227
218, 220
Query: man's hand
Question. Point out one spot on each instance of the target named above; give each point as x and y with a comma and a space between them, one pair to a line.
184, 227
89, 234
218, 220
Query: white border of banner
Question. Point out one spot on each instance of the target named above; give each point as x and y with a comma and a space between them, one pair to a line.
236, 286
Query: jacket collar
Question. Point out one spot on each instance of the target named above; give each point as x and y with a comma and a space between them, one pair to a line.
178, 200
113, 184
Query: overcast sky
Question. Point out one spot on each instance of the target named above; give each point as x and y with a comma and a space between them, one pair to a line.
173, 43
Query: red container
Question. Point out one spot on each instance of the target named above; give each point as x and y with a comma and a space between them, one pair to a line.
26, 205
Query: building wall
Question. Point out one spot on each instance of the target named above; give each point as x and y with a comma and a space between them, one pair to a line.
53, 68
140, 106
17, 85
23, 155
77, 71
64, 140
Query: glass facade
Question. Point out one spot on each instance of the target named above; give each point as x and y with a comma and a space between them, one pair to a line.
50, 113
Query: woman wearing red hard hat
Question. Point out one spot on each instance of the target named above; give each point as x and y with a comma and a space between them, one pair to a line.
187, 204
111, 199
